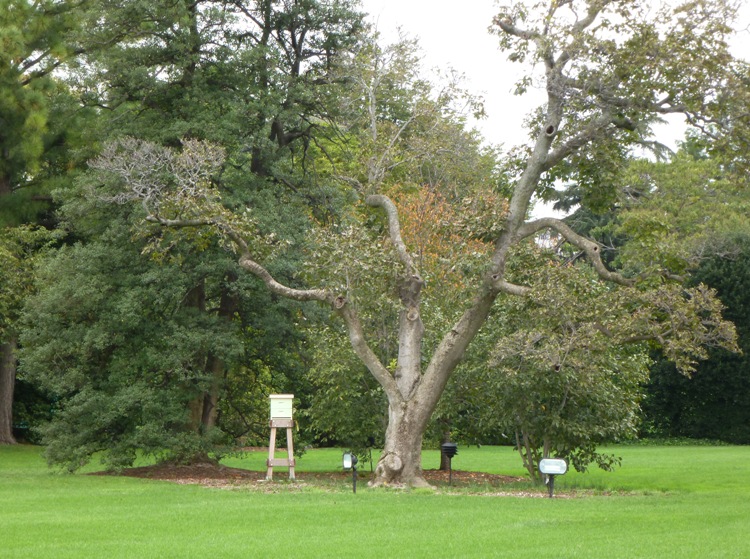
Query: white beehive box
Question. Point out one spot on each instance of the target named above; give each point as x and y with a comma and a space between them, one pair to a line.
281, 406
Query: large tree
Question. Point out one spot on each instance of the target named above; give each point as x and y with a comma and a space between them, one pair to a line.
40, 131
253, 76
610, 72
18, 248
128, 348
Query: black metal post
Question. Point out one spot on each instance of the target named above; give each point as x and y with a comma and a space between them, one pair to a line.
551, 483
354, 479
449, 450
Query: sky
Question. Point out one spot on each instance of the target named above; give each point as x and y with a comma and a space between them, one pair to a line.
455, 33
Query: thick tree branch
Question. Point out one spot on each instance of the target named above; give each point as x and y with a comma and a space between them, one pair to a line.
511, 288
593, 130
452, 348
365, 353
274, 286
339, 304
179, 223
595, 87
595, 8
587, 245
508, 27
394, 229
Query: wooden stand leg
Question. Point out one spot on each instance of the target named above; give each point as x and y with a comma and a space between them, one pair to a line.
290, 452
271, 452
285, 462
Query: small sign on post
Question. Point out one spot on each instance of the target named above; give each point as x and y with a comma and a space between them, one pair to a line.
281, 416
552, 467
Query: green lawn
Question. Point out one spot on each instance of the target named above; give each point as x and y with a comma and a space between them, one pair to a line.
664, 502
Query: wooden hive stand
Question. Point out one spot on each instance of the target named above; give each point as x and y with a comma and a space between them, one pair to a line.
281, 417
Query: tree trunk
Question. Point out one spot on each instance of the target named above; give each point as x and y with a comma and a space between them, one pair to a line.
417, 395
7, 363
408, 414
7, 384
209, 412
5, 188
196, 298
400, 463
204, 408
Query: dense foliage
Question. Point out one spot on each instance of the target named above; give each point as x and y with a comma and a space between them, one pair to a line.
715, 402
248, 161
251, 77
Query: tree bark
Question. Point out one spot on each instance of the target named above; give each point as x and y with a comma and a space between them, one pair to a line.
416, 395
7, 385
215, 366
196, 298
400, 463
5, 188
7, 362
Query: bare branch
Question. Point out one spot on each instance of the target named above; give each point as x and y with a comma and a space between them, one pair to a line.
178, 223
511, 288
365, 353
339, 304
394, 229
595, 8
591, 248
595, 129
508, 27
247, 263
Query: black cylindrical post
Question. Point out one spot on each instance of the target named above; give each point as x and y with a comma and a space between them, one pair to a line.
449, 450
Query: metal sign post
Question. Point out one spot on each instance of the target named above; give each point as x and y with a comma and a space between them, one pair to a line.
350, 463
552, 467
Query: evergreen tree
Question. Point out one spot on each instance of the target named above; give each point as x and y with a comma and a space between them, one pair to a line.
41, 143
251, 77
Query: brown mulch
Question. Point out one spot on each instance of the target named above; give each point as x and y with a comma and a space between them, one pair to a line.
215, 475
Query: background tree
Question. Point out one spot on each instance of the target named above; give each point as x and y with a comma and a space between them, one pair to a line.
251, 76
41, 128
18, 248
126, 344
714, 402
688, 209
694, 209
37, 37
561, 380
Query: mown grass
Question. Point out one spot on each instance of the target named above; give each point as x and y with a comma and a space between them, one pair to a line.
663, 502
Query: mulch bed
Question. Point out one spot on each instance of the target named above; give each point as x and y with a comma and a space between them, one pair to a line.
215, 475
